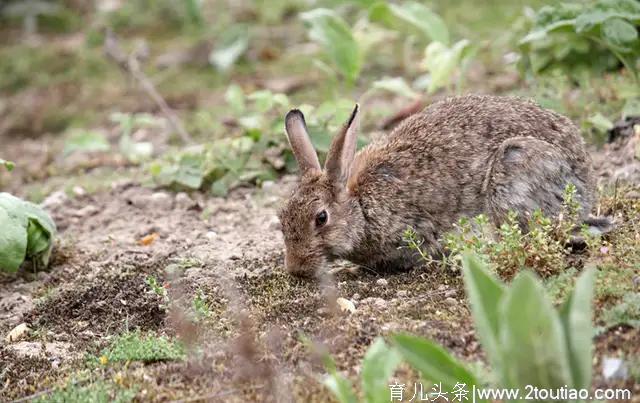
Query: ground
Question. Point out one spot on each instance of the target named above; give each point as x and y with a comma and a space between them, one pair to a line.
206, 272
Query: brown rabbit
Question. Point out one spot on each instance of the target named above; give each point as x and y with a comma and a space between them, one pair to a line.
462, 156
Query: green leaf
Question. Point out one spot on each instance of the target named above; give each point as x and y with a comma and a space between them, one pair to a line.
619, 33
7, 164
235, 98
600, 122
27, 232
378, 365
442, 62
411, 14
86, 141
340, 387
576, 315
330, 31
135, 152
13, 241
434, 362
224, 57
187, 171
532, 338
485, 294
396, 85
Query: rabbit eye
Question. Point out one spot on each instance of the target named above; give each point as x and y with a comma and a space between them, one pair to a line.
321, 218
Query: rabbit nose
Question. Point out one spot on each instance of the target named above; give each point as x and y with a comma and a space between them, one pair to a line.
293, 265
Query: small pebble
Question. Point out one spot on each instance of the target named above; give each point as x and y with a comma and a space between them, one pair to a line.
614, 368
211, 235
79, 191
17, 333
54, 200
451, 301
382, 282
346, 305
402, 293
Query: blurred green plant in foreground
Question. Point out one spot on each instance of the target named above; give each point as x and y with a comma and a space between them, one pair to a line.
527, 341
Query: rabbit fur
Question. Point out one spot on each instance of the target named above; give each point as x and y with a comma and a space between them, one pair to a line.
461, 156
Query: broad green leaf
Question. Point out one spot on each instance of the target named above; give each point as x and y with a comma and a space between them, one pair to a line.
135, 152
600, 122
86, 141
330, 31
225, 56
485, 294
411, 14
27, 232
263, 100
378, 365
7, 164
576, 315
532, 338
13, 241
434, 362
442, 62
340, 387
396, 85
235, 98
619, 33
39, 243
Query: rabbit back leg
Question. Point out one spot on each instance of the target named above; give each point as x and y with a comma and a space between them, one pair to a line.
528, 174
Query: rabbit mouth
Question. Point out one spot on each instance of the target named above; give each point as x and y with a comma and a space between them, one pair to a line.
304, 266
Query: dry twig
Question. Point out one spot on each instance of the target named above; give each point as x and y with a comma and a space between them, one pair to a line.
130, 64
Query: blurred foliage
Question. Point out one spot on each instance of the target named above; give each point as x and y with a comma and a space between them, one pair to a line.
588, 35
364, 49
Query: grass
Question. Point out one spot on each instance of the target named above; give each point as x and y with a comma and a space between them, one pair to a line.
96, 392
149, 348
626, 312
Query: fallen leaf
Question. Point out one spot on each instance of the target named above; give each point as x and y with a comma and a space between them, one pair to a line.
148, 239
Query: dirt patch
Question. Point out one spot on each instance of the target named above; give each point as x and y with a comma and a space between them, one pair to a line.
107, 304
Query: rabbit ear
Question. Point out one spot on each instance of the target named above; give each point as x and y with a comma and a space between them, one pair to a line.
300, 142
343, 149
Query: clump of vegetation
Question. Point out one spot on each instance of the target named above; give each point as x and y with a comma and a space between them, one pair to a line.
201, 306
626, 312
8, 165
505, 319
96, 392
542, 247
27, 234
588, 35
134, 346
347, 47
259, 152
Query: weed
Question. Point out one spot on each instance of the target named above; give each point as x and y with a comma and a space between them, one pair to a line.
133, 346
96, 392
156, 287
509, 249
201, 306
626, 312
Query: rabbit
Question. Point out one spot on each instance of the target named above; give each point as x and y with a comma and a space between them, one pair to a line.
462, 156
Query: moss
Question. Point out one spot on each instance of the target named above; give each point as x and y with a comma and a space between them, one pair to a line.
134, 346
96, 392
